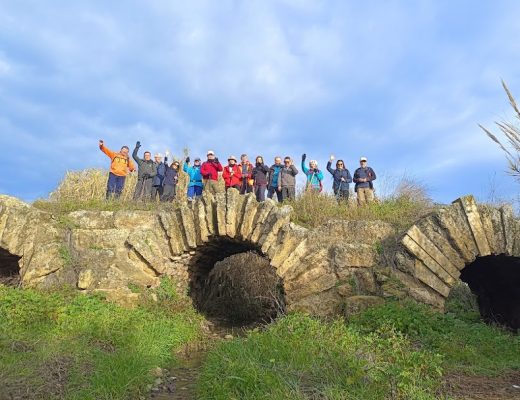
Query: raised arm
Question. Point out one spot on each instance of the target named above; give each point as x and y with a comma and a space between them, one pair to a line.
106, 150
134, 153
329, 167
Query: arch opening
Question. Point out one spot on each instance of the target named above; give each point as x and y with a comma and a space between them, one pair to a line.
495, 280
9, 268
232, 282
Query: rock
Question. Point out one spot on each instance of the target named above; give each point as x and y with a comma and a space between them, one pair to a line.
356, 304
85, 279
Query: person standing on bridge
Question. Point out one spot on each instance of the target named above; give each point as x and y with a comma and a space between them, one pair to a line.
341, 180
209, 171
259, 174
160, 166
171, 178
274, 173
287, 180
246, 175
120, 166
363, 177
195, 184
314, 175
146, 172
232, 174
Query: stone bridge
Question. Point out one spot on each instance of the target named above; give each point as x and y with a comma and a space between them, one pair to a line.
323, 270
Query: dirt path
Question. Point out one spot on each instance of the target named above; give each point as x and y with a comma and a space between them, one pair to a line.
180, 383
469, 387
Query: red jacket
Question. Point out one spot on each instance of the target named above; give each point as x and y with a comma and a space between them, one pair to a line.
231, 179
210, 170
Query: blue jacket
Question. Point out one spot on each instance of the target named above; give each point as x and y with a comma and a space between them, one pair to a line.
337, 174
161, 171
274, 173
314, 176
367, 173
194, 174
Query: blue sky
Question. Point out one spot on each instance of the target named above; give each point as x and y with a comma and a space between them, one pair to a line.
404, 83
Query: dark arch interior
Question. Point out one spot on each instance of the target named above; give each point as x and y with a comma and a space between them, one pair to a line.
495, 280
9, 268
222, 293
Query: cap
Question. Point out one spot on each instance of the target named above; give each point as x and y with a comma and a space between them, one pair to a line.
210, 152
232, 158
197, 159
363, 159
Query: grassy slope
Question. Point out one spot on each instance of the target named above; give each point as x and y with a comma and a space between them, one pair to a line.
73, 346
397, 351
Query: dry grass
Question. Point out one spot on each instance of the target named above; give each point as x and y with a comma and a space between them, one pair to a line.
401, 201
402, 206
511, 146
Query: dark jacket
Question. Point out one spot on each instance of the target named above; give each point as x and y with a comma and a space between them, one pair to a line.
260, 174
171, 176
147, 169
274, 175
337, 174
367, 173
161, 170
287, 177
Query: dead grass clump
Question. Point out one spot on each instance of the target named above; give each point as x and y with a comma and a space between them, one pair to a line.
243, 288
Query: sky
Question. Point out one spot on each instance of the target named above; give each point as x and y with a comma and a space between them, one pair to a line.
404, 83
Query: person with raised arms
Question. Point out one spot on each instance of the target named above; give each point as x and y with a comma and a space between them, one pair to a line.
314, 175
146, 172
120, 166
195, 184
341, 179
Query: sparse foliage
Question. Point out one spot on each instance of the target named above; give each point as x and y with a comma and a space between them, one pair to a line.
511, 145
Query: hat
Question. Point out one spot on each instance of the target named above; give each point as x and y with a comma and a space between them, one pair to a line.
210, 152
363, 159
197, 159
232, 158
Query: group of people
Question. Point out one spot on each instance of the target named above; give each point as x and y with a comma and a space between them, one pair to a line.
156, 179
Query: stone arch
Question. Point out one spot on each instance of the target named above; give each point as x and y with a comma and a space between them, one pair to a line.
453, 241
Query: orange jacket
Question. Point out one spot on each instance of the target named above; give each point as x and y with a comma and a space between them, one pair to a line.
232, 179
120, 164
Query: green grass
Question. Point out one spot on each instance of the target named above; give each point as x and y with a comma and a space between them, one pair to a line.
299, 357
65, 345
467, 344
396, 351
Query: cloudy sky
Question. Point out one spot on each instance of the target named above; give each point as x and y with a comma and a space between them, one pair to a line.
404, 83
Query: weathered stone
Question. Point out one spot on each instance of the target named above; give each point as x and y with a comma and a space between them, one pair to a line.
459, 218
85, 279
282, 217
432, 250
294, 237
90, 219
431, 279
357, 304
170, 224
211, 212
249, 215
473, 217
232, 205
201, 224
507, 223
220, 204
427, 260
188, 224
264, 210
463, 242
323, 304
437, 235
362, 232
